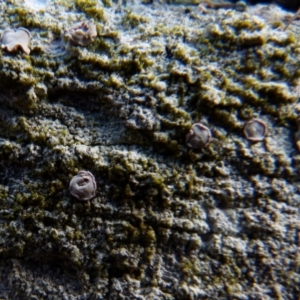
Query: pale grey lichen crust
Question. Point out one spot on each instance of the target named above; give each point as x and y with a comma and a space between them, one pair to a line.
168, 221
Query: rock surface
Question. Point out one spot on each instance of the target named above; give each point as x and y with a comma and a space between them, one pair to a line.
168, 221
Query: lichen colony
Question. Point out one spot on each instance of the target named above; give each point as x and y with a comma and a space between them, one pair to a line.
168, 221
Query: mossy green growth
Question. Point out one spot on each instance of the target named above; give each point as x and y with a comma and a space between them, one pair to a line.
92, 9
132, 20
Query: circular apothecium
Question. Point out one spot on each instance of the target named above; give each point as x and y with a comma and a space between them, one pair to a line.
199, 136
83, 186
255, 130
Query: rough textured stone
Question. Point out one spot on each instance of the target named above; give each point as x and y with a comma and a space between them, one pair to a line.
168, 221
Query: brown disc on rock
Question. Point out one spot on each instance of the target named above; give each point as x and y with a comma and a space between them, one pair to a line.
81, 34
199, 136
255, 130
13, 40
83, 186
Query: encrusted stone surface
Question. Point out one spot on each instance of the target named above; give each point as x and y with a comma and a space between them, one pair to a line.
168, 222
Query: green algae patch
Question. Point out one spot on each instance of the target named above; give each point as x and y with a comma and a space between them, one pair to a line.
132, 20
92, 9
